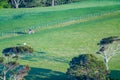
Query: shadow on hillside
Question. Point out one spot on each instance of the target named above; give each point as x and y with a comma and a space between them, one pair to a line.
115, 74
16, 32
41, 55
34, 55
45, 74
41, 52
20, 33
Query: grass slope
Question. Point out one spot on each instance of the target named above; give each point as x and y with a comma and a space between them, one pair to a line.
55, 47
13, 19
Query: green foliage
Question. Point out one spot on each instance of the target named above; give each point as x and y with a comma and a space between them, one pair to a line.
45, 3
1, 59
17, 50
87, 67
11, 70
108, 40
4, 4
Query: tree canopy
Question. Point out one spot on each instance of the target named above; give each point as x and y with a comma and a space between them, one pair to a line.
10, 69
4, 4
86, 67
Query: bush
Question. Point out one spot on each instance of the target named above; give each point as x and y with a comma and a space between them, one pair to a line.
4, 4
86, 67
17, 50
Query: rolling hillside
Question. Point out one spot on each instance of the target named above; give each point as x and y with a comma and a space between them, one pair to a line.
61, 32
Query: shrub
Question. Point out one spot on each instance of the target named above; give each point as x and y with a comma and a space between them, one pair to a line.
17, 50
86, 67
4, 4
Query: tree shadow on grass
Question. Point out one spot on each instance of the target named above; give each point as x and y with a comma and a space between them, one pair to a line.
19, 32
33, 56
115, 74
40, 52
41, 55
45, 74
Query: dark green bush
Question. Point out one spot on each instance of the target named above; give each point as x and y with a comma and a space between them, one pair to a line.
86, 67
17, 50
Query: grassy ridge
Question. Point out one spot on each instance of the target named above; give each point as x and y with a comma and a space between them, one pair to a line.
55, 47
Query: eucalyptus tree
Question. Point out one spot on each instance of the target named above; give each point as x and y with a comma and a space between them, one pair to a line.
10, 69
108, 48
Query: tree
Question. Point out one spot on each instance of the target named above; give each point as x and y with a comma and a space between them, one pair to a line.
86, 67
9, 67
108, 48
16, 3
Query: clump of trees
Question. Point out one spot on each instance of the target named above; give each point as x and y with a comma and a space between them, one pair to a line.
10, 69
86, 67
33, 3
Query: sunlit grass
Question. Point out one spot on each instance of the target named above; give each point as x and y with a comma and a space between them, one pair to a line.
55, 47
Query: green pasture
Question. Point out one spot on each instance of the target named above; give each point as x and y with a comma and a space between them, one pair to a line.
55, 47
22, 19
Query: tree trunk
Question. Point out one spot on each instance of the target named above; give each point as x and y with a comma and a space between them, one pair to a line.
16, 5
4, 75
53, 2
106, 61
107, 66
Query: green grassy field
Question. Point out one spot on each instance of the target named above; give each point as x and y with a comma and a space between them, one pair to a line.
75, 29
